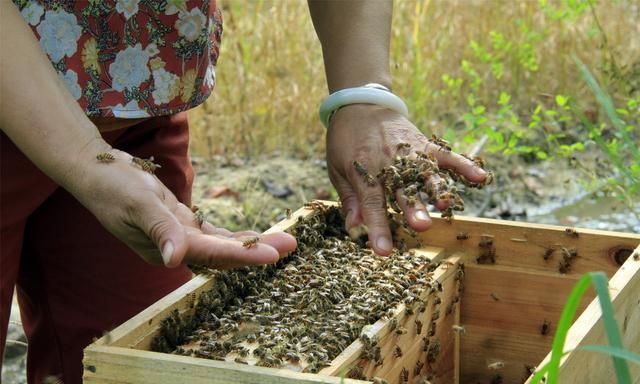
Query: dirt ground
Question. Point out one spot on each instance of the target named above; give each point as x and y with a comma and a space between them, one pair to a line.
256, 193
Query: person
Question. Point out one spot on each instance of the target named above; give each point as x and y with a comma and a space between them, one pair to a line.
94, 96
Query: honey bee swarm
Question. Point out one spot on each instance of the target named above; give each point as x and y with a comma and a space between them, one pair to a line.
413, 175
302, 311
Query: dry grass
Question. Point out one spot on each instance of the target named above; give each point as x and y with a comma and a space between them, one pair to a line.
271, 79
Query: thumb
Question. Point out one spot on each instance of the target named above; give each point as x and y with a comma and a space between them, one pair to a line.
168, 234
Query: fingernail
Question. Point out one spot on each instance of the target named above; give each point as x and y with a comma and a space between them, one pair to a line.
384, 244
167, 252
480, 172
421, 215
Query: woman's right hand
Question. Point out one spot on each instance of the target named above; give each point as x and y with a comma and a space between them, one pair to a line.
139, 210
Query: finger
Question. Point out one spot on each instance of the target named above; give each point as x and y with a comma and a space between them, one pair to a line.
373, 208
459, 164
350, 204
187, 216
283, 242
164, 229
218, 253
436, 186
243, 234
209, 229
414, 212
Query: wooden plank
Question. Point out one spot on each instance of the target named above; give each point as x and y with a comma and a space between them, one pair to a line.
458, 340
524, 245
142, 328
503, 312
115, 365
583, 367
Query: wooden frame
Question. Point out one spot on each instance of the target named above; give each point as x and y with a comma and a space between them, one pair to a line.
502, 306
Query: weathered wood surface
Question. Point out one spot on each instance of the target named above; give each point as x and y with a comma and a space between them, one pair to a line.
588, 329
116, 365
524, 245
503, 313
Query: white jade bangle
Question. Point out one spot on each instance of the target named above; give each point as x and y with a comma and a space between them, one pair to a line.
368, 94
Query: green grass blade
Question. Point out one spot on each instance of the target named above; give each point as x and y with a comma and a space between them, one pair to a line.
612, 351
601, 283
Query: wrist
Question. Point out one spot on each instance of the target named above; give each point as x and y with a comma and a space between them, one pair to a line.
74, 172
372, 93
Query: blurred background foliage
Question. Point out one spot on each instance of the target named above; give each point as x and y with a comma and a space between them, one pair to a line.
504, 73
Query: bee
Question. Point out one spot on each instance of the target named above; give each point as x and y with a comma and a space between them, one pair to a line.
442, 143
315, 206
240, 360
545, 327
496, 365
404, 375
548, 253
288, 213
360, 168
418, 326
418, 368
105, 157
199, 215
479, 161
293, 357
489, 179
147, 165
397, 351
362, 171
571, 232
411, 201
432, 329
403, 146
433, 351
636, 256
400, 331
248, 243
459, 329
462, 236
371, 181
494, 296
356, 372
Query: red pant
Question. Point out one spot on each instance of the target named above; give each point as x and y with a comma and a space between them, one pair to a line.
74, 279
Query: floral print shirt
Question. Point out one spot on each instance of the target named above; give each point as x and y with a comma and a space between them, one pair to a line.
130, 58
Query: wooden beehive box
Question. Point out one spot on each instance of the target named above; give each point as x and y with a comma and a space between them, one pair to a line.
508, 297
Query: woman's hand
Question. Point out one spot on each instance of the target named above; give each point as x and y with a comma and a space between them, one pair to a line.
371, 135
140, 211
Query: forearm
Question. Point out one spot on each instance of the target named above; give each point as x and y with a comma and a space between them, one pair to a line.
355, 38
37, 112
